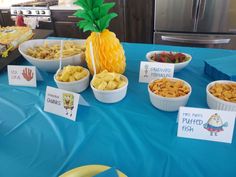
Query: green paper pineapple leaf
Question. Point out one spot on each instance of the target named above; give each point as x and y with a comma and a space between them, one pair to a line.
95, 15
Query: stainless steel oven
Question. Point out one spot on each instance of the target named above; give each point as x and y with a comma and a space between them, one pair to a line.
199, 23
38, 10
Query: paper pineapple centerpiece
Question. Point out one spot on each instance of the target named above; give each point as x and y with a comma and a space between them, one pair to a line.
107, 49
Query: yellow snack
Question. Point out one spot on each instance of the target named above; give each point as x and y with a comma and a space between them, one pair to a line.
108, 81
169, 88
97, 82
11, 37
102, 86
111, 85
71, 74
71, 79
121, 84
224, 91
50, 52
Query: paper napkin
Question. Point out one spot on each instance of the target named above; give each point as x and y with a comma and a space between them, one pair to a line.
111, 172
221, 68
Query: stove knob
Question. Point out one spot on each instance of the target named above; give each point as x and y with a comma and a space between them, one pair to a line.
20, 12
29, 12
15, 11
42, 12
37, 12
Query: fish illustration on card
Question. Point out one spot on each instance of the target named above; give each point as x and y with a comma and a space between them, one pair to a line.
215, 124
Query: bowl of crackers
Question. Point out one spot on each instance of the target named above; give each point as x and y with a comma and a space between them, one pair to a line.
221, 95
168, 94
45, 54
72, 78
109, 87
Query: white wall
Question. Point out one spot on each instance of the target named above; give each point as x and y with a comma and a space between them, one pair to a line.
10, 2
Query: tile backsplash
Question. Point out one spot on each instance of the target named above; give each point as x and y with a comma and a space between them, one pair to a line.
66, 2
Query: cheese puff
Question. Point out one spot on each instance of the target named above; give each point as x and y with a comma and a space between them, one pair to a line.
111, 85
71, 79
96, 82
102, 86
121, 84
77, 76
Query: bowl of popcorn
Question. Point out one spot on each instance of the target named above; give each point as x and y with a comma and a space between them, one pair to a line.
168, 94
72, 78
221, 95
109, 87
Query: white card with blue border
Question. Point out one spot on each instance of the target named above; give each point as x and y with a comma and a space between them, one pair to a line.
206, 124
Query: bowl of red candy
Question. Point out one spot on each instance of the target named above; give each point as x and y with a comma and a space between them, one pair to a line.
180, 60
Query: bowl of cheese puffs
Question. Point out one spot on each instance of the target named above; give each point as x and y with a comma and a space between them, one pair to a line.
72, 78
221, 95
109, 87
168, 94
45, 54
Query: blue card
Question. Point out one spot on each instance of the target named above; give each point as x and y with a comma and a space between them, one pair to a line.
111, 172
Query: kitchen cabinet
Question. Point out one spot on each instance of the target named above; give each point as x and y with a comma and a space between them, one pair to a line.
65, 23
133, 24
139, 18
117, 24
69, 29
1, 20
6, 18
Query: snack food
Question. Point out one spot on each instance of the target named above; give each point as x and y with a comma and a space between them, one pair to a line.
50, 52
169, 57
224, 91
167, 87
71, 73
108, 81
11, 37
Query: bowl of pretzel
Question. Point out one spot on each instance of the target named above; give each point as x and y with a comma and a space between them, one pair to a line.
45, 54
221, 95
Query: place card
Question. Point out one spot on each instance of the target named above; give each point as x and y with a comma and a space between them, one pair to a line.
22, 75
153, 70
206, 124
61, 102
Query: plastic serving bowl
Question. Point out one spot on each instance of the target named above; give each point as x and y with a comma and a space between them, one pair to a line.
110, 96
169, 104
52, 64
75, 86
216, 103
177, 66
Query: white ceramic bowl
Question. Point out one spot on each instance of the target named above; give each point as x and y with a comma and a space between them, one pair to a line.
110, 96
50, 65
169, 104
216, 103
75, 86
177, 66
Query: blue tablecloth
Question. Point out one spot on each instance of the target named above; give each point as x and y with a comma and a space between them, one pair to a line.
131, 135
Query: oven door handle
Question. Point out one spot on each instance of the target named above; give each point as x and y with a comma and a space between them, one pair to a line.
71, 16
195, 40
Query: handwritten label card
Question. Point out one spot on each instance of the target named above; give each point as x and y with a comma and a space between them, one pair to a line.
61, 102
152, 70
21, 75
206, 124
